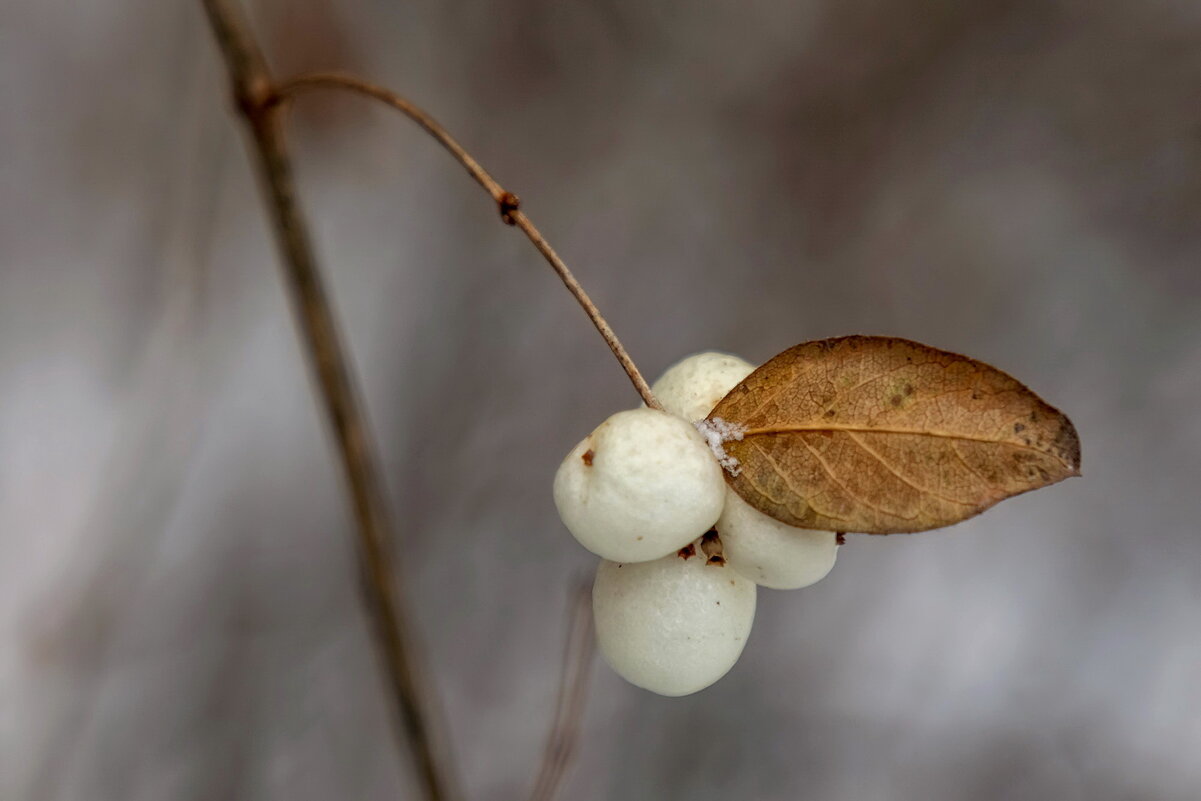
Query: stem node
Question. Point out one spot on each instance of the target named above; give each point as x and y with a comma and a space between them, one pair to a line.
508, 203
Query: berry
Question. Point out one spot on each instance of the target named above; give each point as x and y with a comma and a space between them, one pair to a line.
675, 625
642, 485
771, 553
692, 386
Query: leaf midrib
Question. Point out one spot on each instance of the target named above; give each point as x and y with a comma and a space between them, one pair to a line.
826, 427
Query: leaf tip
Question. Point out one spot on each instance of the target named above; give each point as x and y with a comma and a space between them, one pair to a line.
1069, 447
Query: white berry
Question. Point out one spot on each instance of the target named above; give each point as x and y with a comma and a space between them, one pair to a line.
672, 626
692, 387
642, 485
771, 553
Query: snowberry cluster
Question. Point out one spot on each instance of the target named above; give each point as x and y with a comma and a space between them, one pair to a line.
674, 598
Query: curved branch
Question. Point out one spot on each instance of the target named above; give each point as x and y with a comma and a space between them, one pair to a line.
508, 203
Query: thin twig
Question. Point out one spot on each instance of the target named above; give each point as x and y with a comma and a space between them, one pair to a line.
564, 732
254, 96
508, 203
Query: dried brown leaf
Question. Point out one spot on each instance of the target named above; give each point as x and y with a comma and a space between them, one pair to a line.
880, 435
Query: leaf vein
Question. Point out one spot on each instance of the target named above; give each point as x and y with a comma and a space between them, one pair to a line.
864, 446
834, 477
776, 467
808, 499
972, 470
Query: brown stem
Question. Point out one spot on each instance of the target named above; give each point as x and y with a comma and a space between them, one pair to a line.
254, 96
507, 202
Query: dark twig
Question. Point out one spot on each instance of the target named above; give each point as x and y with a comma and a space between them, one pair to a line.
564, 732
508, 203
255, 97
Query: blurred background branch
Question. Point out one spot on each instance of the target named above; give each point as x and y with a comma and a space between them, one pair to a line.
563, 737
253, 92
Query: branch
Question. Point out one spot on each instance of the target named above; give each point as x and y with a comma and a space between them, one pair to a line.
254, 97
564, 733
508, 203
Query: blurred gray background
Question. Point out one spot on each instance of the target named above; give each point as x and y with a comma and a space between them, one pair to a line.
1019, 180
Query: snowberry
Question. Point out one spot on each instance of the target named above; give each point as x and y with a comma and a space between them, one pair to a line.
692, 387
640, 486
771, 553
675, 625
